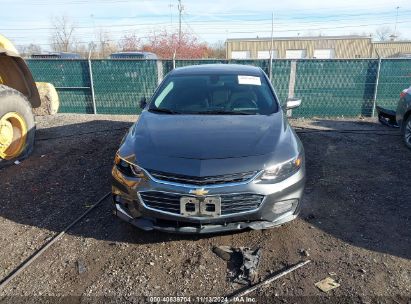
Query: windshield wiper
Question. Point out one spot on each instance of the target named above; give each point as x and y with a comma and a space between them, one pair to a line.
223, 112
163, 110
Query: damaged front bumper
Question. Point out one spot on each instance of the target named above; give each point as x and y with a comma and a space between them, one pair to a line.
149, 224
280, 203
387, 117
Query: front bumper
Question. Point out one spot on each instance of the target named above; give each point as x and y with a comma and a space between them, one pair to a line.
130, 207
387, 117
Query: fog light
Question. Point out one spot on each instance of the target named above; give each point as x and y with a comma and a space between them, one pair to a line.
284, 206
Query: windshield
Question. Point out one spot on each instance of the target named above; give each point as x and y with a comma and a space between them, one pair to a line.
215, 94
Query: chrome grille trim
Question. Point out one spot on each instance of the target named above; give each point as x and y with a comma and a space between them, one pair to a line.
206, 181
231, 204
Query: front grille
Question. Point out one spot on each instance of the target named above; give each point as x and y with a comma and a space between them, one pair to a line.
205, 180
162, 201
234, 203
230, 203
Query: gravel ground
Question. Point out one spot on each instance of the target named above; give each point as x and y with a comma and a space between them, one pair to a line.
355, 223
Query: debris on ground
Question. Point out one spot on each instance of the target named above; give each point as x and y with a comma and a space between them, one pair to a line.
223, 252
121, 270
304, 252
238, 295
17, 162
242, 263
81, 267
327, 284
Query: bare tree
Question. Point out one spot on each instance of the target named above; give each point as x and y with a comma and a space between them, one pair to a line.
186, 45
363, 33
33, 49
130, 43
383, 33
81, 49
105, 44
217, 50
28, 50
62, 39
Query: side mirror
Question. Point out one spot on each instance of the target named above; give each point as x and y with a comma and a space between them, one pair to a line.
143, 103
293, 103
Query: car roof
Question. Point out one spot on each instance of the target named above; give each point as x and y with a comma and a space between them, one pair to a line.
219, 68
132, 53
60, 54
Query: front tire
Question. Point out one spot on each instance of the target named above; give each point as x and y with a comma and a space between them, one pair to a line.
17, 126
407, 132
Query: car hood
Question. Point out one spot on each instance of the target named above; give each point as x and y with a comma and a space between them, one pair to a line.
203, 145
207, 136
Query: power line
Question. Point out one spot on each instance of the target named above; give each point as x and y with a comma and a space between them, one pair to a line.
249, 32
105, 2
322, 28
74, 2
215, 30
191, 29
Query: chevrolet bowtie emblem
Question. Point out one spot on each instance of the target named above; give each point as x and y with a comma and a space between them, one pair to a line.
199, 192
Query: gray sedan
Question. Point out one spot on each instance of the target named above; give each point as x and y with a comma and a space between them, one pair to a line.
212, 151
403, 115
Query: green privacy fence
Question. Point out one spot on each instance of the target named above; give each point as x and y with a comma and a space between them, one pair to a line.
71, 79
120, 84
395, 76
337, 87
327, 87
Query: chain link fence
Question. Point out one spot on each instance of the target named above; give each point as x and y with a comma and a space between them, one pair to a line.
335, 88
120, 84
71, 79
338, 87
395, 76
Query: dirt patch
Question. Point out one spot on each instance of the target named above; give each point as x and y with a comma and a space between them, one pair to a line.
353, 224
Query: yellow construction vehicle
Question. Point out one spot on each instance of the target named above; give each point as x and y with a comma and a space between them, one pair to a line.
18, 96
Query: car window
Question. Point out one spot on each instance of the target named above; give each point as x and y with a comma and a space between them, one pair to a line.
215, 94
164, 93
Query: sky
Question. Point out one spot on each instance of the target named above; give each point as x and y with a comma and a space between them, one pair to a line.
29, 21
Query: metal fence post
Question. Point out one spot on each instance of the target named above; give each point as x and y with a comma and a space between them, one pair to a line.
291, 83
160, 73
376, 87
90, 71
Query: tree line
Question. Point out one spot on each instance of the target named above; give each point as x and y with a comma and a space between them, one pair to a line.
163, 43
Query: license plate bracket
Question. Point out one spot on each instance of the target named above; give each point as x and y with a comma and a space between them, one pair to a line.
209, 206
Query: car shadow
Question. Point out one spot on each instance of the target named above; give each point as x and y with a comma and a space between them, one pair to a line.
357, 185
354, 124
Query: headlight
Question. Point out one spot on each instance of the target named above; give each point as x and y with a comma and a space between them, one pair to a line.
282, 171
128, 168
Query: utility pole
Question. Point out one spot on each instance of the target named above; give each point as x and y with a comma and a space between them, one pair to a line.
180, 11
171, 13
270, 72
396, 21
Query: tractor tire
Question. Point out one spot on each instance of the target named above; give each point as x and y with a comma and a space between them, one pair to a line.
49, 99
17, 126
